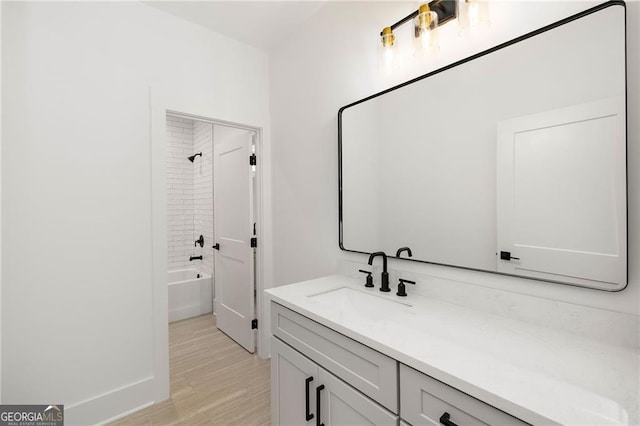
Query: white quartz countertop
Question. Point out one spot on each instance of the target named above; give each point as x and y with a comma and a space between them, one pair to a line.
537, 374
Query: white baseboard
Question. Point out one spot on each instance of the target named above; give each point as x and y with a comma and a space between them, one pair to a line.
111, 405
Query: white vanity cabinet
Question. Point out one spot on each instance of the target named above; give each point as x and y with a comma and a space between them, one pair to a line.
425, 361
321, 377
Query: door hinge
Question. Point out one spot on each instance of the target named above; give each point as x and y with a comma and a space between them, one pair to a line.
254, 242
254, 324
252, 160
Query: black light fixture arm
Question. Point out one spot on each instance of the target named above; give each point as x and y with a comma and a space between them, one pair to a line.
446, 10
403, 20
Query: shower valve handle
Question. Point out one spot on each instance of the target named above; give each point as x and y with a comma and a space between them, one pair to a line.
199, 241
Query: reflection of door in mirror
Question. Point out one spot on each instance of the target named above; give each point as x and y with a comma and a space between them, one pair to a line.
562, 194
418, 163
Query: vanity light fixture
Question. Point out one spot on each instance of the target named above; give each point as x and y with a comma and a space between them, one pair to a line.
425, 21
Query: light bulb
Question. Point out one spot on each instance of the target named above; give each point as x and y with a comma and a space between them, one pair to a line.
425, 35
473, 15
425, 38
387, 55
388, 60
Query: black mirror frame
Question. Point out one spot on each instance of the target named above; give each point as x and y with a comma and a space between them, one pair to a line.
463, 61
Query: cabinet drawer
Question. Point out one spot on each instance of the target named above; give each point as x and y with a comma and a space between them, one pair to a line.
367, 370
423, 401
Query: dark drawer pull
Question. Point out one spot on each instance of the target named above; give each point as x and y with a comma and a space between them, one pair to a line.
444, 419
318, 390
306, 398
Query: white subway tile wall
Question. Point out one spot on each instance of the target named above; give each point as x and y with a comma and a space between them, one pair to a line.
203, 192
180, 192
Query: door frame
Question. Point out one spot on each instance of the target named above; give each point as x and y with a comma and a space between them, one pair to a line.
159, 109
257, 198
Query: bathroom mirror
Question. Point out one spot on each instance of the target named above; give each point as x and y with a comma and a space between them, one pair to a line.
512, 161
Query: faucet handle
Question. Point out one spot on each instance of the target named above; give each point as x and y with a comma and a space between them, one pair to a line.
402, 289
369, 278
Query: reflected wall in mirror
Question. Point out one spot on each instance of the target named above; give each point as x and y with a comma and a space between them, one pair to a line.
512, 161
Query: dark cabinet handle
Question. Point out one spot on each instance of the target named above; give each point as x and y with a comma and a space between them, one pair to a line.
444, 419
506, 255
306, 397
217, 246
318, 390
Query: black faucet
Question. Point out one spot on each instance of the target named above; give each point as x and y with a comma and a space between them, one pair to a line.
401, 249
192, 258
385, 275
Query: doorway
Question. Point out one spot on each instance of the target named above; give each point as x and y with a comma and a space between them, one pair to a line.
213, 223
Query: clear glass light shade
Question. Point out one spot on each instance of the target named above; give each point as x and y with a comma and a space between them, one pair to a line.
388, 60
425, 34
473, 15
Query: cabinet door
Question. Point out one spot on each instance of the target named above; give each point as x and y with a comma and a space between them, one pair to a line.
294, 379
340, 404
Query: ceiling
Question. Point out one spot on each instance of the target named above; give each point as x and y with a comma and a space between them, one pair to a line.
258, 23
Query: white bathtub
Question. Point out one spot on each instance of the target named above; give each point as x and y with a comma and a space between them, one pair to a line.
189, 296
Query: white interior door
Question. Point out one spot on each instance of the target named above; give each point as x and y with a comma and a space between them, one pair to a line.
561, 195
233, 221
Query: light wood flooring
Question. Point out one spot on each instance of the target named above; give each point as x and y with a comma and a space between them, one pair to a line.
213, 380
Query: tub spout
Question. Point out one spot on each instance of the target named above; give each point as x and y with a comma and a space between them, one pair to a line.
192, 258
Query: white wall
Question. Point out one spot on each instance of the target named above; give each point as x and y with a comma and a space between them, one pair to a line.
332, 62
81, 327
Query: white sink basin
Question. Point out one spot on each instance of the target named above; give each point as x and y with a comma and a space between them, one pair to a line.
365, 304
